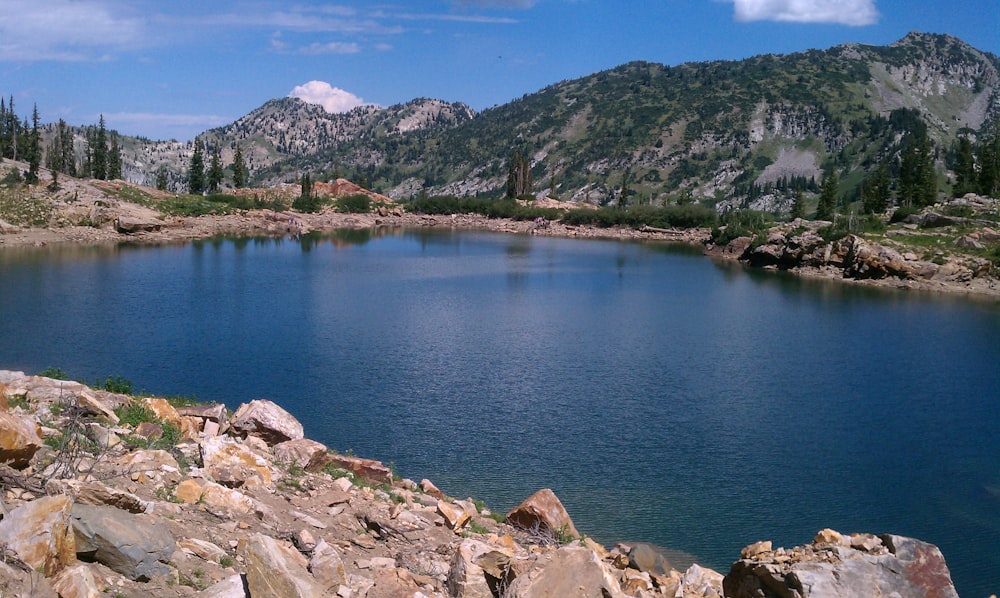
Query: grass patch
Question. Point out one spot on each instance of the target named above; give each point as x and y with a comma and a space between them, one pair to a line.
19, 208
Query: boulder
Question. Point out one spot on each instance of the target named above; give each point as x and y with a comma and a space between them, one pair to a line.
568, 571
326, 566
543, 512
268, 421
298, 452
699, 582
230, 463
233, 586
276, 570
454, 515
129, 226
20, 438
835, 566
40, 533
203, 418
93, 404
77, 581
202, 549
646, 558
133, 545
466, 579
97, 493
368, 469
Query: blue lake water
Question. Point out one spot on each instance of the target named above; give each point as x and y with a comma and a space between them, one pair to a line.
663, 397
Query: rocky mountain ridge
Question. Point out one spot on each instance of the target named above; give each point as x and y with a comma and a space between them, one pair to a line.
648, 131
109, 494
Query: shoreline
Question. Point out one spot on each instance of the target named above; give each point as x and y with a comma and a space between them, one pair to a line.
278, 224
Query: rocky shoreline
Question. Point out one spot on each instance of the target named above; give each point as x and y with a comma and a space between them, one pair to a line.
854, 260
108, 494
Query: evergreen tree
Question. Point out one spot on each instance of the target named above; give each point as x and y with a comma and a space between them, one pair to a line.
798, 205
989, 165
99, 152
876, 190
827, 196
161, 178
114, 159
917, 179
239, 169
965, 168
196, 170
4, 135
518, 175
215, 172
66, 150
34, 150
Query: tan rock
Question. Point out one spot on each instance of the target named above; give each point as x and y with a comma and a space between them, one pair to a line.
542, 511
454, 515
232, 464
829, 536
276, 570
77, 581
428, 487
700, 582
368, 469
90, 402
756, 548
230, 587
326, 566
97, 493
466, 579
40, 532
202, 549
189, 490
20, 438
298, 452
163, 410
149, 461
568, 571
215, 495
268, 421
3, 398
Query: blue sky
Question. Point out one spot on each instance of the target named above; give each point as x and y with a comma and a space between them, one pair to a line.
171, 69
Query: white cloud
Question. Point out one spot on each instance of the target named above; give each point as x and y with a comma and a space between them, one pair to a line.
332, 99
843, 12
315, 49
497, 3
66, 30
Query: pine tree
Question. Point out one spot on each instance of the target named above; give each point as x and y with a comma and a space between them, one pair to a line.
99, 152
827, 196
989, 165
67, 153
114, 159
239, 169
798, 205
161, 178
875, 191
215, 172
34, 150
965, 169
196, 170
518, 175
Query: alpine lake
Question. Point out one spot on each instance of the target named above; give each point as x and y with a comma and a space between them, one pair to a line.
664, 397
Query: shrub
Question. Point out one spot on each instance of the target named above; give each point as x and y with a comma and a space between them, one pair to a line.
358, 203
902, 212
741, 223
54, 373
308, 204
116, 384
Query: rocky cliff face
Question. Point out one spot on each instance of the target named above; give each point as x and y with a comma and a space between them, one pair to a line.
193, 500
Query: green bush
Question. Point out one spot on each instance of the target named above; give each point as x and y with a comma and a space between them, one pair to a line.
741, 223
902, 212
116, 384
684, 216
358, 203
308, 204
491, 208
54, 373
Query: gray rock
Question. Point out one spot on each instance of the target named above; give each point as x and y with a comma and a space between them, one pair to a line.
645, 557
897, 566
129, 226
130, 544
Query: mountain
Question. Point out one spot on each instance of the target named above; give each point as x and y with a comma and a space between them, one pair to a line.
740, 132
